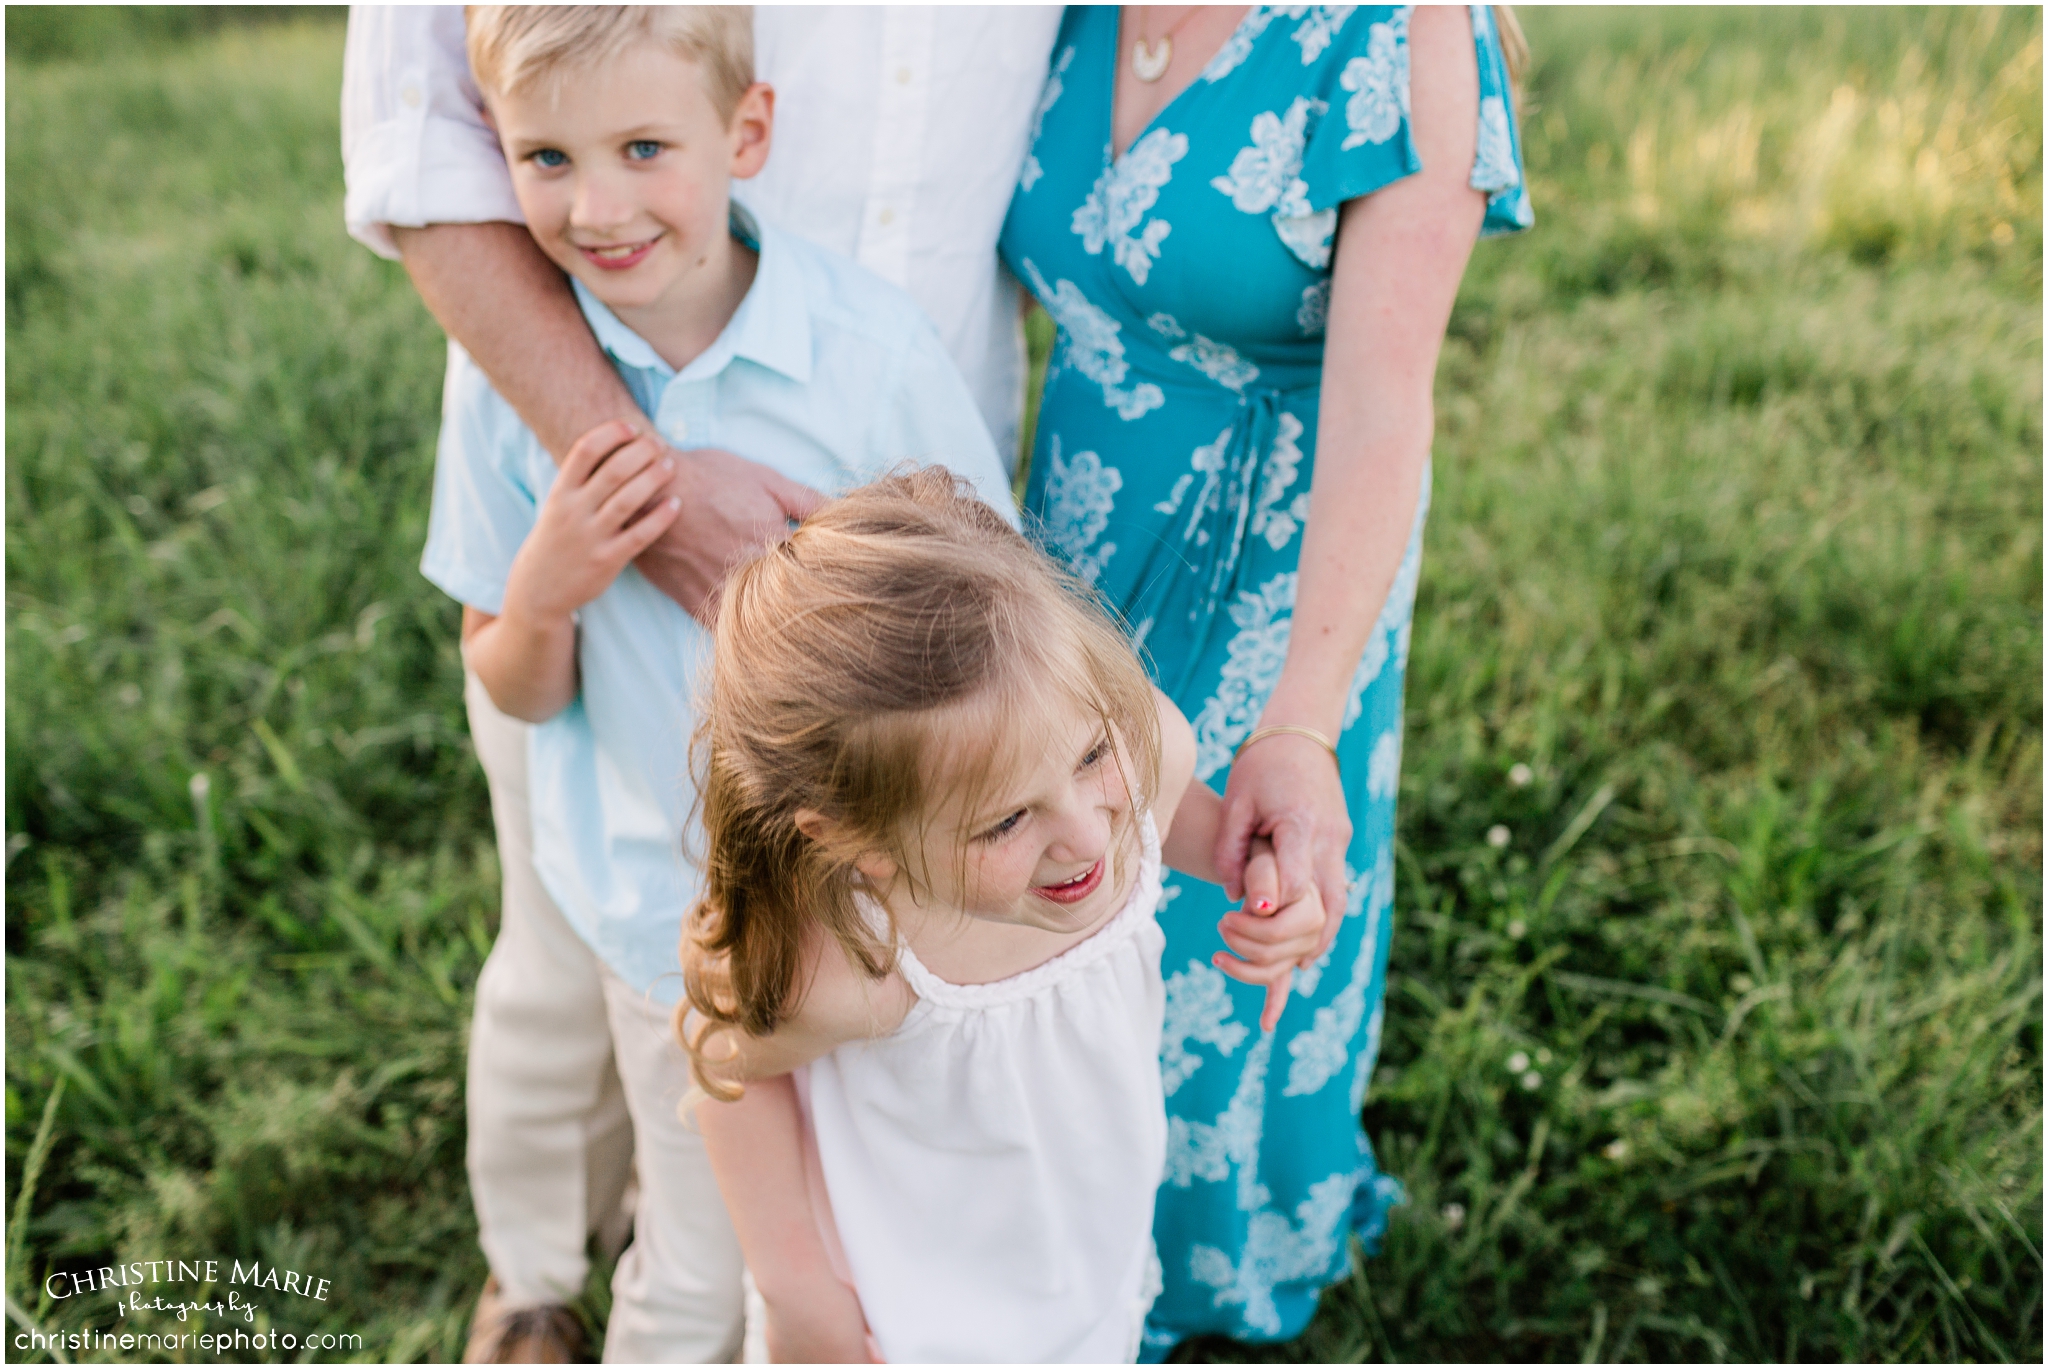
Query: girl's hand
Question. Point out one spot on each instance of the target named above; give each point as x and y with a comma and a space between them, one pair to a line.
1271, 935
822, 1326
601, 513
1286, 789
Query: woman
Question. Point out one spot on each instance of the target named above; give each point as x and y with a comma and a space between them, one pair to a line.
1250, 227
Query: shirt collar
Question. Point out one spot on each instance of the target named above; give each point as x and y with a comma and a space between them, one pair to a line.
772, 326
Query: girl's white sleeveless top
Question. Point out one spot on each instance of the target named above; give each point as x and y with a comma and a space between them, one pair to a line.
991, 1164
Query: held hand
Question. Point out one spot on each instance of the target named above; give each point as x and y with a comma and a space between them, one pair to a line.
605, 509
822, 1325
1271, 935
730, 506
1286, 788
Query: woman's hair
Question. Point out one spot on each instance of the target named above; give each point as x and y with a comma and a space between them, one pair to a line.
1513, 46
904, 645
516, 47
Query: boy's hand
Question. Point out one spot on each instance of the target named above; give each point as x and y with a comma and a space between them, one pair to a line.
1271, 938
603, 511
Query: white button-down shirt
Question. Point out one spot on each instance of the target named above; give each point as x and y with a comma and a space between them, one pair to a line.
899, 134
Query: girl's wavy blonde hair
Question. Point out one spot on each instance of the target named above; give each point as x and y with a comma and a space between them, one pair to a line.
903, 646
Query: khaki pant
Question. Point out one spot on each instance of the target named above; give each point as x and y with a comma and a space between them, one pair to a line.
570, 1073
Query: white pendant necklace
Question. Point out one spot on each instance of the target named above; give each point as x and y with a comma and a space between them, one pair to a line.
1148, 64
1149, 61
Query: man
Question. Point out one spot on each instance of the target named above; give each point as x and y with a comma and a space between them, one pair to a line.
899, 134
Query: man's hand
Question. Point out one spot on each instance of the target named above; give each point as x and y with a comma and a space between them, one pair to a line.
604, 510
1271, 937
730, 506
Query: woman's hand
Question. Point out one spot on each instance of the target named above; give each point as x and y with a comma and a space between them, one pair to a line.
1271, 935
1399, 256
1285, 788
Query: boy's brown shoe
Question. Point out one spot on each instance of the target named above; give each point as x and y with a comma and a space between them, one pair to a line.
523, 1335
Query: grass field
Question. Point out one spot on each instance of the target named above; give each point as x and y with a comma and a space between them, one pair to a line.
1715, 1020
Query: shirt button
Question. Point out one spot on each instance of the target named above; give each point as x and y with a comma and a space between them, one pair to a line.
677, 431
886, 217
411, 96
903, 76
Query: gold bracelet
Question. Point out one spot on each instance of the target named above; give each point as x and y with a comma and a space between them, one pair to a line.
1291, 729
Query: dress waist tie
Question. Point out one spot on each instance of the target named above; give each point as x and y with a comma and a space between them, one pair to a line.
1196, 568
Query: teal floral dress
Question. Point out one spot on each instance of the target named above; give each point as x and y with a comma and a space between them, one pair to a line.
1190, 279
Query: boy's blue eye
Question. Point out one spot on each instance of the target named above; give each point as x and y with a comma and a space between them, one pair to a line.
1095, 754
640, 149
550, 157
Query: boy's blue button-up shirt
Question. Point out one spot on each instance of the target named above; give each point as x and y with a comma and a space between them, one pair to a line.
826, 374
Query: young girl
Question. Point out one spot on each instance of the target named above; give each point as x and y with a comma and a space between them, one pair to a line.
937, 792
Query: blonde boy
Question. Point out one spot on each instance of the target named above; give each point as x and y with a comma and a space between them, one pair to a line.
623, 128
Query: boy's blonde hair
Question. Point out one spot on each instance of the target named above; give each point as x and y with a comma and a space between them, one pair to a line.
517, 47
903, 646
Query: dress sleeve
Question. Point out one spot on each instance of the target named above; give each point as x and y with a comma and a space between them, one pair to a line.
415, 148
1497, 166
1361, 139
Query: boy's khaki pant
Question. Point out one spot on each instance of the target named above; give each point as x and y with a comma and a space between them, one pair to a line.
570, 1072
